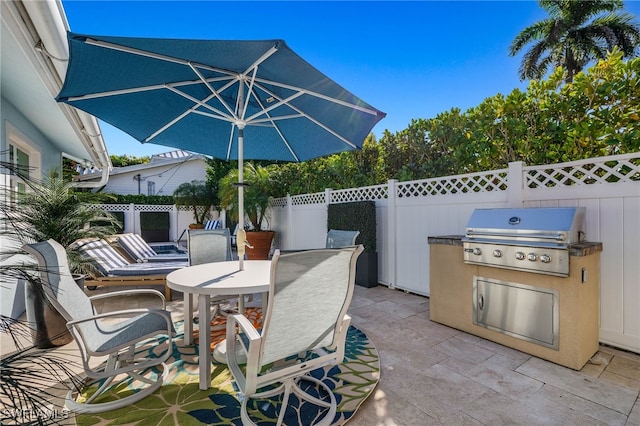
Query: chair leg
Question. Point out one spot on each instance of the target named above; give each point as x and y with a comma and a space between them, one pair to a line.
293, 385
89, 407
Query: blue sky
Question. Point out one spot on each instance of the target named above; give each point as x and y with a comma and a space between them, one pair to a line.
409, 59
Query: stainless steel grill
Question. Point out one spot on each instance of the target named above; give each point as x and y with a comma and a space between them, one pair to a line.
529, 239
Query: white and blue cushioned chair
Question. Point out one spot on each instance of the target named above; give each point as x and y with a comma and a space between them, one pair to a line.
113, 334
340, 238
212, 224
309, 295
113, 269
140, 251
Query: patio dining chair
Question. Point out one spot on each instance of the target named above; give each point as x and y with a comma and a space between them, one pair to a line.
207, 246
304, 328
339, 238
129, 338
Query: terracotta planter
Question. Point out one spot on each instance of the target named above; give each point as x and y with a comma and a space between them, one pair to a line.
196, 226
261, 242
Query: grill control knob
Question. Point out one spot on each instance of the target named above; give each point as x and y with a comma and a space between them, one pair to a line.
545, 258
477, 251
532, 257
520, 255
497, 253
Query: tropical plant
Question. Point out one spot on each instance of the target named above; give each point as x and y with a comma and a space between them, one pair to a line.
197, 195
257, 186
51, 208
574, 34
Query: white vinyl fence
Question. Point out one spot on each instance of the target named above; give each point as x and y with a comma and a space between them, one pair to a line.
180, 217
409, 212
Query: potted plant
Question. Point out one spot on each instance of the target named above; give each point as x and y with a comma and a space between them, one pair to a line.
199, 197
257, 183
47, 208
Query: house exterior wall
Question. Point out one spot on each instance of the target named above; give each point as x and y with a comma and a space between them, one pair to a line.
14, 124
166, 177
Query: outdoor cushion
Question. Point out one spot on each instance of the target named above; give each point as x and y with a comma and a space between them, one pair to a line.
110, 263
138, 249
212, 224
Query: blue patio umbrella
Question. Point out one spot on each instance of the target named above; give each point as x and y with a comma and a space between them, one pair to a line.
231, 99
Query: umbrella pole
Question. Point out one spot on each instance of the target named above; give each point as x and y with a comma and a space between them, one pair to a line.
241, 236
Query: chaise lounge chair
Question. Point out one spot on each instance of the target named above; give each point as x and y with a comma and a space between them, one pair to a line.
113, 269
139, 251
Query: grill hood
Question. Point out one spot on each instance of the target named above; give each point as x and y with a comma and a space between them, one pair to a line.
557, 227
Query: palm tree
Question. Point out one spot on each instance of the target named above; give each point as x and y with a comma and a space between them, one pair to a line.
575, 33
198, 195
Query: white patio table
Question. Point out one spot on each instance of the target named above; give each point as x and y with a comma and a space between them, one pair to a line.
214, 279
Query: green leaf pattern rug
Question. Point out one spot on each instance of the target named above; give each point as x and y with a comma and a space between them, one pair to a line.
180, 401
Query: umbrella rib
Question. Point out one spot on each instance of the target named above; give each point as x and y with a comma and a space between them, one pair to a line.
214, 91
153, 55
250, 91
272, 107
166, 126
204, 104
277, 129
317, 95
261, 59
273, 119
308, 117
141, 89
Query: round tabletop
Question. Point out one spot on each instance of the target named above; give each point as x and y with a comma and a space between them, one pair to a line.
222, 278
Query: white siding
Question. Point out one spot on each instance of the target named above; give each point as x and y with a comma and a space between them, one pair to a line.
166, 177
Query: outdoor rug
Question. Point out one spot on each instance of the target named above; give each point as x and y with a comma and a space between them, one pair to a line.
180, 402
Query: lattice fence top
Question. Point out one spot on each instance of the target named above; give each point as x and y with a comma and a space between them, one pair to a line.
154, 207
111, 207
278, 202
495, 180
613, 169
137, 207
305, 199
366, 193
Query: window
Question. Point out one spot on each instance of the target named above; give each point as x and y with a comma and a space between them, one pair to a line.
151, 187
22, 154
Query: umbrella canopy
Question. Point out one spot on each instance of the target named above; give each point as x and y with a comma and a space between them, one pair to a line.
228, 99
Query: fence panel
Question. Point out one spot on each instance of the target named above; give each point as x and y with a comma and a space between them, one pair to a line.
409, 212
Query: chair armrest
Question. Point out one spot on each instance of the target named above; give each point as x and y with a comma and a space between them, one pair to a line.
131, 292
247, 382
125, 313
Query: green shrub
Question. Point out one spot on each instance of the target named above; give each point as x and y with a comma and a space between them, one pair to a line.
355, 216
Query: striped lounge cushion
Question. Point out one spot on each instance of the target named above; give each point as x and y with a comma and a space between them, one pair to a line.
111, 264
104, 257
136, 247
